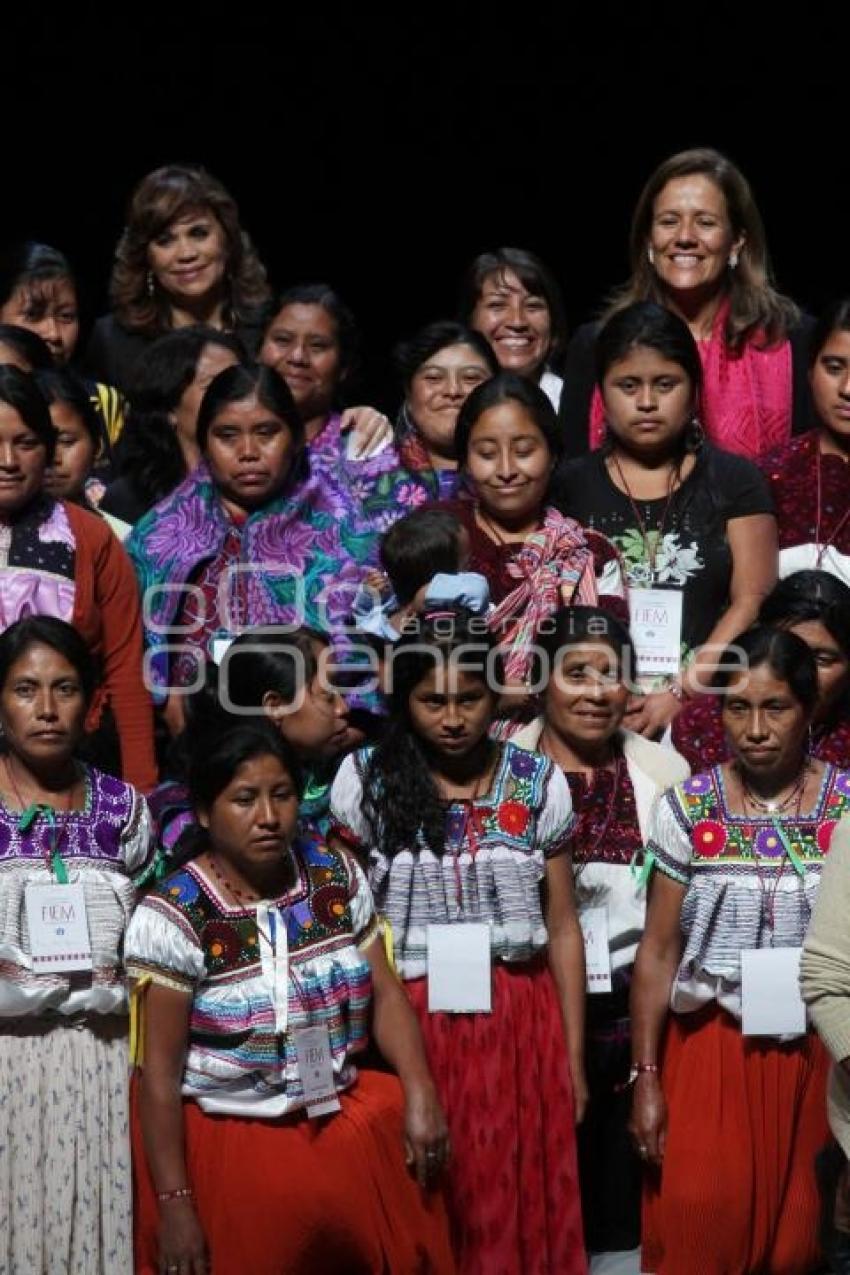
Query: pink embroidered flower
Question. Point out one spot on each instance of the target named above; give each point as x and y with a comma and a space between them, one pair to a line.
709, 838
281, 543
186, 526
412, 495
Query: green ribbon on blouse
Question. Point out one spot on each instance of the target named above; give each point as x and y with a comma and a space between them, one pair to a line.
644, 872
26, 821
796, 862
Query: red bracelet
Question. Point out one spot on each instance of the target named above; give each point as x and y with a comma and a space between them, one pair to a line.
180, 1193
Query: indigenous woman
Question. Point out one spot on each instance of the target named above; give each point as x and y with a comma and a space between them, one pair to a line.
814, 605
697, 247
38, 292
286, 677
533, 558
615, 777
159, 447
61, 560
23, 349
252, 544
313, 343
515, 302
810, 477
729, 1086
259, 1147
694, 524
825, 984
75, 474
439, 367
183, 259
74, 839
466, 842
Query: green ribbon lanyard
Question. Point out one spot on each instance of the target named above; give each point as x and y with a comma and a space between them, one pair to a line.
25, 822
796, 862
643, 872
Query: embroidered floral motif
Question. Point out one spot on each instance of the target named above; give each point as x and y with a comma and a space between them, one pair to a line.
719, 837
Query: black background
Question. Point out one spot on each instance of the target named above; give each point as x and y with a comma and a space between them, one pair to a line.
379, 147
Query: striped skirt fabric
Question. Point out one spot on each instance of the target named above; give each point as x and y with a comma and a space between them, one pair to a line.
65, 1183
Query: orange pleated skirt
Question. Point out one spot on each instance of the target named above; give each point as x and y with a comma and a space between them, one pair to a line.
736, 1193
304, 1197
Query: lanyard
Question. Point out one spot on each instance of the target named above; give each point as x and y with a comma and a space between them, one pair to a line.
648, 544
56, 831
822, 548
469, 832
274, 958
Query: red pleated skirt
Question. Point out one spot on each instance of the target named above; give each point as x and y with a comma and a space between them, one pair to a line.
504, 1082
304, 1197
737, 1191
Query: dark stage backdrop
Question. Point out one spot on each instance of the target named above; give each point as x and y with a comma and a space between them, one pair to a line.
380, 147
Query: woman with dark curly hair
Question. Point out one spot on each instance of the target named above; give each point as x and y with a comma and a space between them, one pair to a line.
467, 845
698, 247
183, 259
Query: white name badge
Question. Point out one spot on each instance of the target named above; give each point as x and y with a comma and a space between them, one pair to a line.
770, 989
59, 928
459, 974
220, 647
597, 951
315, 1069
655, 623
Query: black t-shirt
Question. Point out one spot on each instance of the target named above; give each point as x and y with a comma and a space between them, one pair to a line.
693, 554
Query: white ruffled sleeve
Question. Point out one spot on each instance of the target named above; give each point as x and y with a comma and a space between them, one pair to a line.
161, 945
364, 922
347, 818
138, 841
668, 845
556, 820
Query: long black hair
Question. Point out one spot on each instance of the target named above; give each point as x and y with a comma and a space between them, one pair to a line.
250, 380
19, 390
260, 661
27, 345
401, 802
148, 453
786, 655
508, 387
213, 762
47, 630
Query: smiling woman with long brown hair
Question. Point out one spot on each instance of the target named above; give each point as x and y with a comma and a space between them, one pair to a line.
697, 246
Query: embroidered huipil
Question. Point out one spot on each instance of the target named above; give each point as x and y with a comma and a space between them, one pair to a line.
492, 867
241, 1058
743, 889
104, 846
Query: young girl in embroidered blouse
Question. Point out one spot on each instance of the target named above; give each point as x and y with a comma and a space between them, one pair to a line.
459, 831
255, 957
